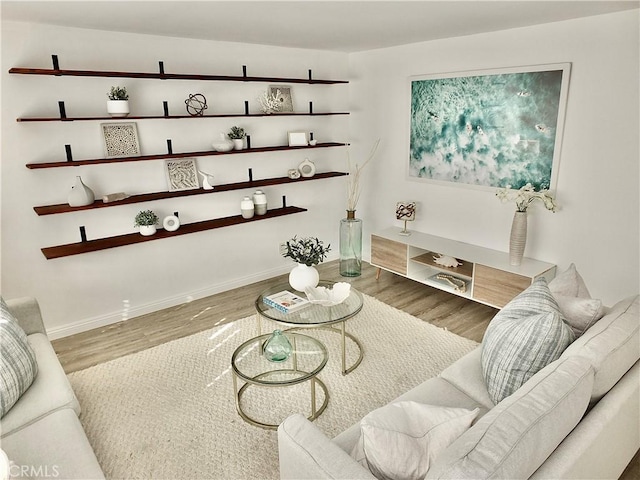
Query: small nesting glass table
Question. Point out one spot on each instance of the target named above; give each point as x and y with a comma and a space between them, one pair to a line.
308, 358
316, 316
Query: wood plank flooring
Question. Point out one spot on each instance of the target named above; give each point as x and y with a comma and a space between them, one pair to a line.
460, 316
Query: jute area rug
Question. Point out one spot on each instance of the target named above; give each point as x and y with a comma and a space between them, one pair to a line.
169, 413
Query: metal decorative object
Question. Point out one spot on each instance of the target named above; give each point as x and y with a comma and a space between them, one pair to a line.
406, 211
196, 104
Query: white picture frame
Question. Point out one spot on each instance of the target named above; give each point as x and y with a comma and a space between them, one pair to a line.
298, 139
284, 98
120, 139
182, 174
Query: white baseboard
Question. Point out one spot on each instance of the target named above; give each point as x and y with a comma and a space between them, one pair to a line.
119, 316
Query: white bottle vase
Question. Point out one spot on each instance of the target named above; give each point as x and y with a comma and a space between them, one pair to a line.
518, 238
302, 277
80, 195
118, 108
260, 202
307, 168
246, 208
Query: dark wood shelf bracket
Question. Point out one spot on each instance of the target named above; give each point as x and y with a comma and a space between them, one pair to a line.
169, 147
54, 60
165, 108
83, 234
67, 149
63, 111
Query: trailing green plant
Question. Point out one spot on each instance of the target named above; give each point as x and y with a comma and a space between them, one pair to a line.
146, 218
236, 133
309, 251
118, 93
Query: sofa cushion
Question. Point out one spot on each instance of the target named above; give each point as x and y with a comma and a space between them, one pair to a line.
400, 440
612, 345
56, 446
18, 365
466, 375
577, 307
49, 391
434, 391
516, 437
523, 337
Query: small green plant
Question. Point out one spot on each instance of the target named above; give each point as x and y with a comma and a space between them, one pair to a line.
236, 133
145, 218
118, 93
309, 251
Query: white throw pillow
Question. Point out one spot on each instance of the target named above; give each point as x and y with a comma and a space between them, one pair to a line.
401, 440
578, 308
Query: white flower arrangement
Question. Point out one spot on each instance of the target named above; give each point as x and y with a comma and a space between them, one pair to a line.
525, 196
353, 180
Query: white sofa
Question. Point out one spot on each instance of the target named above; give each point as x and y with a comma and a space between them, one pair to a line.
578, 417
41, 434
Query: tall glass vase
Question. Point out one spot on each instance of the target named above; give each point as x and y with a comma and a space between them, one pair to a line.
351, 245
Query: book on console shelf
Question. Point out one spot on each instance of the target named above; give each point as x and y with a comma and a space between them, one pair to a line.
286, 301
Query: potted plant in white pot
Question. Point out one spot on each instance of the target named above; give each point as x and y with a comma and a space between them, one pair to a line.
118, 103
146, 220
306, 252
237, 135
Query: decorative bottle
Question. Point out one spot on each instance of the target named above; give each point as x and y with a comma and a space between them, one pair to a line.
80, 195
277, 348
351, 245
246, 208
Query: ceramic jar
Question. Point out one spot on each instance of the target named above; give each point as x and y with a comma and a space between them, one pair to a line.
147, 230
238, 143
80, 195
260, 202
246, 207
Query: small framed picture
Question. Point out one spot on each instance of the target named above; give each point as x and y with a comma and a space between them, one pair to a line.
120, 139
182, 174
282, 93
298, 139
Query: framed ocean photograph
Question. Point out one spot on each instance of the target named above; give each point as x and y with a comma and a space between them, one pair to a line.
489, 129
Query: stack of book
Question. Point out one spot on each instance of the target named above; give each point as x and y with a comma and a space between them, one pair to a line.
286, 301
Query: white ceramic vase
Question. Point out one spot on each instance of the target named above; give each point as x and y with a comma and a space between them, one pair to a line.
518, 238
147, 230
307, 168
247, 208
238, 143
260, 202
118, 108
302, 277
80, 195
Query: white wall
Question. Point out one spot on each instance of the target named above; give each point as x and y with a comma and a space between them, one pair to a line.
597, 226
87, 290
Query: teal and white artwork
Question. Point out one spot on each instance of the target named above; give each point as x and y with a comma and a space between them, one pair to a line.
496, 129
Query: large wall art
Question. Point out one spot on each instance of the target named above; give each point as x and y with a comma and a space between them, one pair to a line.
492, 128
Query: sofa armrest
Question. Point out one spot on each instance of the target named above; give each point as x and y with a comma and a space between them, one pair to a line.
307, 453
27, 312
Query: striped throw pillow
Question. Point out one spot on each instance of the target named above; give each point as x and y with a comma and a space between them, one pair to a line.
18, 365
525, 336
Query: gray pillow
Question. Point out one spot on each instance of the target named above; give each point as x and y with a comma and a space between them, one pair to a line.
18, 365
525, 336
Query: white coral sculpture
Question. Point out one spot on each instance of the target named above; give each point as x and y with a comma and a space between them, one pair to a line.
269, 102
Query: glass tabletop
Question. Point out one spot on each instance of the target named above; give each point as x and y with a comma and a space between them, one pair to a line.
312, 314
308, 357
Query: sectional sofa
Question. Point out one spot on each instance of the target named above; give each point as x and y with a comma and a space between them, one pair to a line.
41, 433
576, 417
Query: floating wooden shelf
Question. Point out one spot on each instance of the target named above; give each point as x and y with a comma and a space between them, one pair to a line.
164, 156
167, 76
148, 197
464, 270
169, 117
132, 238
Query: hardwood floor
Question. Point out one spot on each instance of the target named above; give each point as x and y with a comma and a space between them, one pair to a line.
458, 315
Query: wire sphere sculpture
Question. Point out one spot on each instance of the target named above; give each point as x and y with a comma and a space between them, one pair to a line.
196, 104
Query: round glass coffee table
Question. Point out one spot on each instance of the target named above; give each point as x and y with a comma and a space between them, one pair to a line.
249, 365
316, 316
